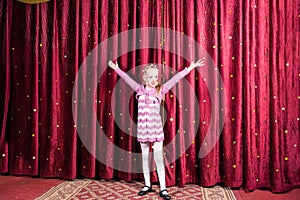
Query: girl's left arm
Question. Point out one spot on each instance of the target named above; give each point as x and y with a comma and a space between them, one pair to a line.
169, 84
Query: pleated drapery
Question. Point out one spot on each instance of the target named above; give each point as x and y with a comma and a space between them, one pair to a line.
254, 46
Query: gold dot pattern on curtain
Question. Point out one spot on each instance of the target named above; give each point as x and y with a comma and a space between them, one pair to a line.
33, 1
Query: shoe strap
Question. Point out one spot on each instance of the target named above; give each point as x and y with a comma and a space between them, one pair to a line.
163, 191
145, 186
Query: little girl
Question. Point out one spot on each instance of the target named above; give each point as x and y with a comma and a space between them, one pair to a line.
149, 123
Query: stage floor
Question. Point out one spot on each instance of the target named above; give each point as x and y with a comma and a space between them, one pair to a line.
24, 187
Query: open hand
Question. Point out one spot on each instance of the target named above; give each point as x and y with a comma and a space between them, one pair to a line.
113, 65
198, 63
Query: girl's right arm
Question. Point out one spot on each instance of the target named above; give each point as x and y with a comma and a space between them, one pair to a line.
134, 85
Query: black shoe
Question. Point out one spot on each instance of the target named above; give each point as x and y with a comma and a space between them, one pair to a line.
143, 192
164, 196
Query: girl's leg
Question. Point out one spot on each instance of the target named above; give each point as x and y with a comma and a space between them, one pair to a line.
146, 163
159, 160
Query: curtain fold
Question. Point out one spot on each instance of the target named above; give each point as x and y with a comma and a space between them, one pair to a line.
5, 36
253, 46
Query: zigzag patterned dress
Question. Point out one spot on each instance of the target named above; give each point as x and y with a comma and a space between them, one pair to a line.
149, 123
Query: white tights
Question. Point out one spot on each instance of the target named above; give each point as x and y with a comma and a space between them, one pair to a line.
159, 161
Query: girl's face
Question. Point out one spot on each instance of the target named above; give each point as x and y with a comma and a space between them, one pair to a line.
151, 77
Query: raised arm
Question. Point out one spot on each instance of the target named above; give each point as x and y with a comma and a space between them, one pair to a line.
134, 85
170, 83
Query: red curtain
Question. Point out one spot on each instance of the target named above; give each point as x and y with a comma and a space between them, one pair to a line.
254, 46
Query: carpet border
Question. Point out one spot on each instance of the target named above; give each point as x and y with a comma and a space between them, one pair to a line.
56, 188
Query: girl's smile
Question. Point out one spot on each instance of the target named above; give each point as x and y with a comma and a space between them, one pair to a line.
152, 77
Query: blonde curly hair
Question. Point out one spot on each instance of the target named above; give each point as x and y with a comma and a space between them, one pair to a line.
145, 74
145, 71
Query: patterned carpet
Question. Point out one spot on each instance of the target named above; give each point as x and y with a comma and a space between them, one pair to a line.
93, 189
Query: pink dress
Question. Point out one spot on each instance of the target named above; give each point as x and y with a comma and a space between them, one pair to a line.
149, 123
